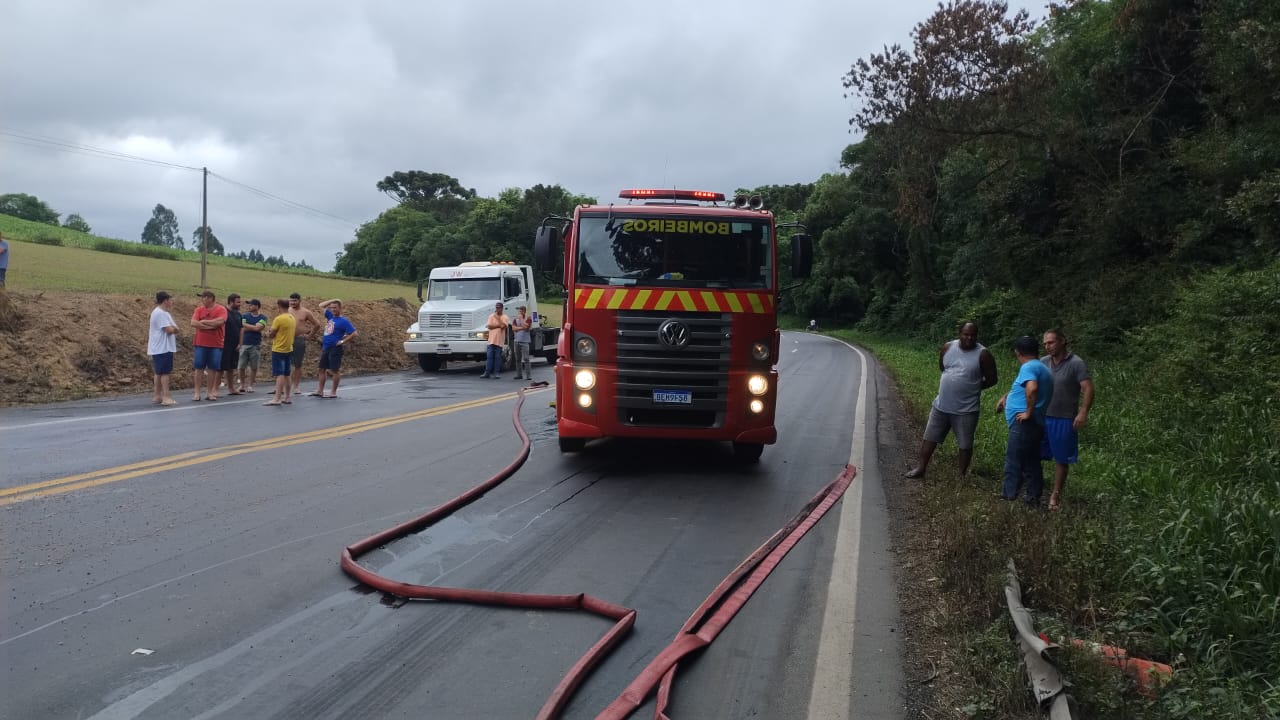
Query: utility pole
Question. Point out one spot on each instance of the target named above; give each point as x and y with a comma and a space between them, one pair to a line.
204, 221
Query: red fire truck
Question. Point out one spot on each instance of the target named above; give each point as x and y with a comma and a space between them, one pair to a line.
670, 320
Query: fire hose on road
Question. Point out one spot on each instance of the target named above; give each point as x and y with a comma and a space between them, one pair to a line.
702, 627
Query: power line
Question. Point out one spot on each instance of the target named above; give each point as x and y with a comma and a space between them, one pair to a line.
65, 146
285, 201
50, 143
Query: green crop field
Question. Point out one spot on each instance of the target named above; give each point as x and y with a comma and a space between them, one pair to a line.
73, 266
50, 258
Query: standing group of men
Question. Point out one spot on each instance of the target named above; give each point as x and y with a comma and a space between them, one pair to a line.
1046, 407
497, 324
228, 346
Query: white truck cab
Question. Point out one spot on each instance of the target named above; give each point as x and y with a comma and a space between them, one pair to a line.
459, 300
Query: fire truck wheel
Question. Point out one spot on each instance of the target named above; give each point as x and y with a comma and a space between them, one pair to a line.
430, 363
748, 452
572, 444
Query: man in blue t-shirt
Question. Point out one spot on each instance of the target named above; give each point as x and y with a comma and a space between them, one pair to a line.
1024, 407
255, 323
4, 258
337, 331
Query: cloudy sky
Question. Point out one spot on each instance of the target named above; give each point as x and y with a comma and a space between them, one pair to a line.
314, 101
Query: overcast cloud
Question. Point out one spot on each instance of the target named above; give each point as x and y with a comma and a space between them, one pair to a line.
315, 101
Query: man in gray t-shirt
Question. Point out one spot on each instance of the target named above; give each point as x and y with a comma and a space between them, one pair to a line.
1068, 410
967, 369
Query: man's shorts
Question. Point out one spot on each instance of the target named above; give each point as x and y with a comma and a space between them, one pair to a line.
279, 364
299, 351
163, 363
1061, 442
250, 356
207, 358
331, 358
230, 357
962, 424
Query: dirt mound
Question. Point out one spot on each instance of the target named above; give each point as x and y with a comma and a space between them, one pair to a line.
63, 346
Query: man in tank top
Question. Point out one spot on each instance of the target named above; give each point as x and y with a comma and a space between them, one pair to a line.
967, 368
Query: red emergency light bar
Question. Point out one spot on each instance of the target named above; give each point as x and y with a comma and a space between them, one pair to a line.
664, 194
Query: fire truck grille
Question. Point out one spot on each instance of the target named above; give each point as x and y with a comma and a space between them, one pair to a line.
664, 386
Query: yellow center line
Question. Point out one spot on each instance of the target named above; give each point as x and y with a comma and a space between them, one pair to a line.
13, 495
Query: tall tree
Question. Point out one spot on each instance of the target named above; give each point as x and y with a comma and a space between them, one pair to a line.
75, 222
437, 193
162, 229
28, 207
215, 247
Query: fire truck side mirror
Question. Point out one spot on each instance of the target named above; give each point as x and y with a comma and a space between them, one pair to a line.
546, 248
419, 291
801, 256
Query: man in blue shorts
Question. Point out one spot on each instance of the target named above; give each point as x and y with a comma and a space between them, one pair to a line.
1066, 415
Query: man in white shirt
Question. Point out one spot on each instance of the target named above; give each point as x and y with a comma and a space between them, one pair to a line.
162, 343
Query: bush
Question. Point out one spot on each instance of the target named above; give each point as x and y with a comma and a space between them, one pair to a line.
47, 240
128, 248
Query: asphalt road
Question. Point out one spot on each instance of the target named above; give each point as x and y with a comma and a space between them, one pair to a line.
183, 562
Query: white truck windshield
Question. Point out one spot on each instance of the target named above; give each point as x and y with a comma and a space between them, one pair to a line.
489, 288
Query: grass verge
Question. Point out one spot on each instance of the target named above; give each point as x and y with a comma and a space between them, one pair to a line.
1168, 547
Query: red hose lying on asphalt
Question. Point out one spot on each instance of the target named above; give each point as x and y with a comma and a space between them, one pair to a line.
701, 628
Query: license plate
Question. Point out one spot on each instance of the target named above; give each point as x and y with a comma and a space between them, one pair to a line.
673, 397
443, 350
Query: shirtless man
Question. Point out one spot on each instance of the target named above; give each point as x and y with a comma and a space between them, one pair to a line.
308, 326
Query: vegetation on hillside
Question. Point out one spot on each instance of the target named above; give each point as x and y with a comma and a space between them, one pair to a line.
1111, 171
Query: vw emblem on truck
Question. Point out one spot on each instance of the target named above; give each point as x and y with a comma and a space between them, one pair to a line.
674, 334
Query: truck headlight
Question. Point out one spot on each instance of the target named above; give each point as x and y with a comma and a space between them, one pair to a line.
757, 406
414, 336
757, 385
481, 335
585, 379
584, 346
584, 400
760, 351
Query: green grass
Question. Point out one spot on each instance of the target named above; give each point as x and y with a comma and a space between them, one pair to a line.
1169, 545
76, 265
52, 258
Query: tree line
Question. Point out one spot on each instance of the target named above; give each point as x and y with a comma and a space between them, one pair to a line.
30, 207
439, 222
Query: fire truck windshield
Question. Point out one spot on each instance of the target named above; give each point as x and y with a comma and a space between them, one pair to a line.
464, 289
704, 252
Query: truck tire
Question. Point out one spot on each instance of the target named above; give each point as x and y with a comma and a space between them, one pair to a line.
430, 363
568, 445
748, 452
508, 357
551, 355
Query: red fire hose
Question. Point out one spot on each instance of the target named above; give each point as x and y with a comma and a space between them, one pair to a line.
701, 628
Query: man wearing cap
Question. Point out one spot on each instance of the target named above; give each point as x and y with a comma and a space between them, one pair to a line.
251, 344
162, 343
209, 321
497, 325
522, 324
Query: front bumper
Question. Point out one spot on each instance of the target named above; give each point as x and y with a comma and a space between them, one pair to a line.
446, 348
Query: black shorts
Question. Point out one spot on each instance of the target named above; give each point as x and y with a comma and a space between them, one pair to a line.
230, 358
331, 358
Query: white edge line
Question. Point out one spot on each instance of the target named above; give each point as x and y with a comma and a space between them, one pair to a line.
190, 405
832, 690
